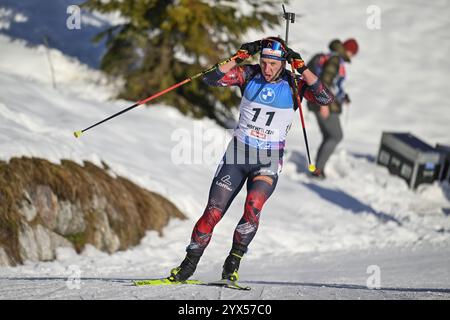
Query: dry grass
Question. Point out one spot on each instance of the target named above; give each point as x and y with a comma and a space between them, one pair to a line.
131, 210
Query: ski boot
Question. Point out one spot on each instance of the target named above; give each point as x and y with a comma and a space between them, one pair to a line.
318, 174
231, 265
185, 270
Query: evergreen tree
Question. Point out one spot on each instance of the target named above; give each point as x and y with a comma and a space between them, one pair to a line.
164, 42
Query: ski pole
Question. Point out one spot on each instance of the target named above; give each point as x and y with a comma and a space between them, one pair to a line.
77, 134
289, 16
311, 167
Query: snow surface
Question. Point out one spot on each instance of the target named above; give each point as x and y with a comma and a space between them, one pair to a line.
316, 239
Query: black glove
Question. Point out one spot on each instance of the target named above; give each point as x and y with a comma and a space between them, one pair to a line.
252, 47
296, 60
247, 50
347, 98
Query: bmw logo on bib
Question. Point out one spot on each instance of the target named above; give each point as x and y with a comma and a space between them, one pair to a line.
267, 95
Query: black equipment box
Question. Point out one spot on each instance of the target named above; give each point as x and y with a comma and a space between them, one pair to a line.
409, 158
444, 150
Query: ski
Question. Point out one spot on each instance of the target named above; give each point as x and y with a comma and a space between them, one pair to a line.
166, 282
163, 282
227, 284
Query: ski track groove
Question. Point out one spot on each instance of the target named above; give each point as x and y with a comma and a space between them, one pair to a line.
96, 289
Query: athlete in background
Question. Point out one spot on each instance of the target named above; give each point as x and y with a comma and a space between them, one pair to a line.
330, 68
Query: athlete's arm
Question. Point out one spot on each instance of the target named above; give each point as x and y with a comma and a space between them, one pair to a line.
315, 92
309, 77
233, 77
230, 74
227, 66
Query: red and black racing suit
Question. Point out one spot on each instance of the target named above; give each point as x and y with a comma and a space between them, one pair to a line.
249, 158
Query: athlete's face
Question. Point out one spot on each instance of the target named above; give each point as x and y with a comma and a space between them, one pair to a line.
270, 68
349, 54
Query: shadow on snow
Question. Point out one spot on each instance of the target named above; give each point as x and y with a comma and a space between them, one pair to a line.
338, 197
272, 283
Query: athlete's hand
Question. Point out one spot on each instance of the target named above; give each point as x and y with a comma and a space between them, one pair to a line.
251, 47
296, 60
324, 112
347, 99
247, 50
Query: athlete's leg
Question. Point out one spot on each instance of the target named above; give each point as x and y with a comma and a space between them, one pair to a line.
332, 135
226, 184
259, 189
